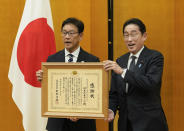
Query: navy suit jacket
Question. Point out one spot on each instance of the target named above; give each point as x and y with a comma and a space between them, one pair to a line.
141, 106
61, 124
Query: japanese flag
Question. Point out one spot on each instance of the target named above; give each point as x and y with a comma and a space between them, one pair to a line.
33, 44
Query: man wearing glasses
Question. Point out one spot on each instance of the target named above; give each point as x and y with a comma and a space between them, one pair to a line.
72, 33
136, 83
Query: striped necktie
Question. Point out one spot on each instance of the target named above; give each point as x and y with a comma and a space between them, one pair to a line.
70, 58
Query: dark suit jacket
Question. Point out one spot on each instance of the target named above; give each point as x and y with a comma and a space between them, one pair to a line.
141, 106
59, 124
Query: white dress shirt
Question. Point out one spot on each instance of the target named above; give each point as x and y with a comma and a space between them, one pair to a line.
75, 55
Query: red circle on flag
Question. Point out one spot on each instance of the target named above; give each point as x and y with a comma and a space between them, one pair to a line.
36, 43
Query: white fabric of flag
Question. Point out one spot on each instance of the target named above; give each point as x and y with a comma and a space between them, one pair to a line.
33, 44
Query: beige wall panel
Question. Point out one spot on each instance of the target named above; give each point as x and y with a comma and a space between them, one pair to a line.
99, 39
10, 15
99, 28
178, 70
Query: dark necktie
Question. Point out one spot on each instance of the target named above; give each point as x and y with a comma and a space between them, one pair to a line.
70, 58
132, 64
131, 68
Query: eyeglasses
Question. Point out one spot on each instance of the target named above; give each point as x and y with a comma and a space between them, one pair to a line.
133, 35
70, 33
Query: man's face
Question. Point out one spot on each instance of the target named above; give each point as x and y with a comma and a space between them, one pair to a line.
71, 37
133, 38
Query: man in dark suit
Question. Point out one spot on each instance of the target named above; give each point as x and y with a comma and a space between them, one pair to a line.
136, 83
72, 33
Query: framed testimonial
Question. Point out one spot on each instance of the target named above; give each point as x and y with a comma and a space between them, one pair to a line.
75, 90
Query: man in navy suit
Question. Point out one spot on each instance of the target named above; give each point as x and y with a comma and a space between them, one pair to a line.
72, 33
136, 83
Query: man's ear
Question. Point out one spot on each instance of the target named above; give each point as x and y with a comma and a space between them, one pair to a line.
81, 36
145, 36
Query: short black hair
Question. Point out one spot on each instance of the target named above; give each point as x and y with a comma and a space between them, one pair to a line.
137, 22
78, 23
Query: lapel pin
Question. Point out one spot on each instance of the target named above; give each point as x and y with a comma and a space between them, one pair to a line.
141, 63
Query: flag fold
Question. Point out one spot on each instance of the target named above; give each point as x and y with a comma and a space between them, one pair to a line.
33, 44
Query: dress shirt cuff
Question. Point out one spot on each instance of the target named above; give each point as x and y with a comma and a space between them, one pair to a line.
124, 72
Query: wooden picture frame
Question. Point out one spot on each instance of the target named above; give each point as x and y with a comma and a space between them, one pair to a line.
75, 90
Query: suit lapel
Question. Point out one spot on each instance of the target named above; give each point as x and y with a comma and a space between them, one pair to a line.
62, 56
81, 56
142, 58
123, 62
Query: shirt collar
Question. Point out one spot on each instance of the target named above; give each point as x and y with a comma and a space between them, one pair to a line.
75, 53
137, 54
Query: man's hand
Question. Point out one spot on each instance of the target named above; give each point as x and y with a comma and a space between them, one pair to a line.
74, 119
110, 117
111, 65
39, 75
